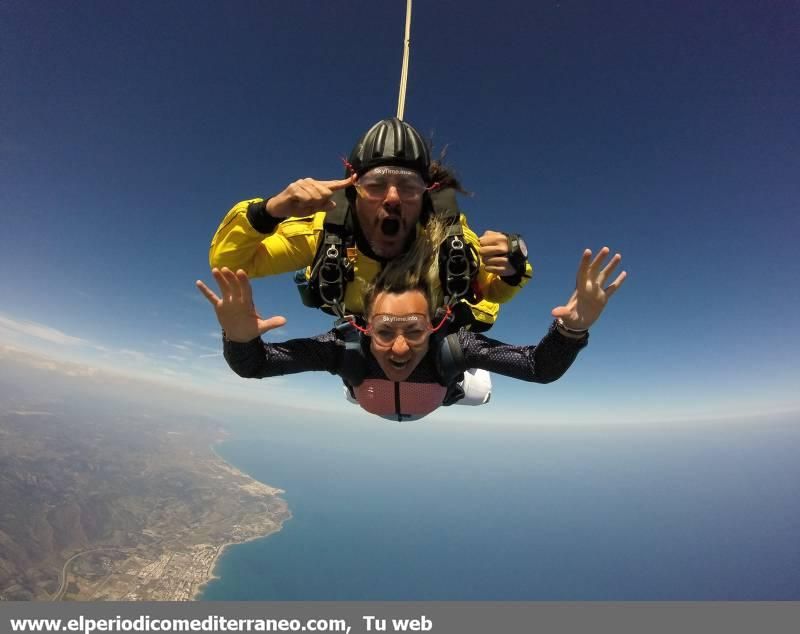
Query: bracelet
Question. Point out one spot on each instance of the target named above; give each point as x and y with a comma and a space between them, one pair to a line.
572, 331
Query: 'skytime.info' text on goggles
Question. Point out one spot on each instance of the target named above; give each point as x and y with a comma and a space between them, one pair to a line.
414, 328
374, 184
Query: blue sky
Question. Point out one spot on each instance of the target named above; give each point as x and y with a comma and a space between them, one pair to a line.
665, 130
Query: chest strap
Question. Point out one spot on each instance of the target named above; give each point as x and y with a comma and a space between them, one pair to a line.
458, 263
332, 269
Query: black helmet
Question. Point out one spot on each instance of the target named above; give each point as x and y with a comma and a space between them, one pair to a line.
391, 142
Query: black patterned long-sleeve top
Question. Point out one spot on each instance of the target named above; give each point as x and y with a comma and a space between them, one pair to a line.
422, 392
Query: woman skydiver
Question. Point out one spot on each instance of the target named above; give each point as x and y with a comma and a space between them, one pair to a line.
401, 366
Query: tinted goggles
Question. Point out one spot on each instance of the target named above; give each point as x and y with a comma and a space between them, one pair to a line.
374, 185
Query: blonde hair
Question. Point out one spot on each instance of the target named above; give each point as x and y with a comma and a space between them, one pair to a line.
415, 270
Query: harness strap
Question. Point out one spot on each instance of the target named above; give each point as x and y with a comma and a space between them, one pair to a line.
450, 365
332, 269
458, 264
353, 366
449, 358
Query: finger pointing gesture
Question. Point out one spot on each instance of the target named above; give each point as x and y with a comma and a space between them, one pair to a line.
306, 196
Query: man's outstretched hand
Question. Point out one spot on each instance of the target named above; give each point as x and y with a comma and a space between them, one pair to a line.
235, 310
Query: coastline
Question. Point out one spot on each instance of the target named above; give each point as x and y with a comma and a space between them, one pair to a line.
211, 571
184, 505
210, 575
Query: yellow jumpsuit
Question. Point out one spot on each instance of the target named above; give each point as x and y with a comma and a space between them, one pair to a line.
293, 244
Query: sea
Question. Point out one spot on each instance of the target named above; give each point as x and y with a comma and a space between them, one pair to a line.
431, 511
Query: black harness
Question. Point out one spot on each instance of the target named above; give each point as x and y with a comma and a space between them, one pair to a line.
458, 264
332, 268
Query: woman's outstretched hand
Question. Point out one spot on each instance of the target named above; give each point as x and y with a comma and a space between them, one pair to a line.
235, 310
590, 297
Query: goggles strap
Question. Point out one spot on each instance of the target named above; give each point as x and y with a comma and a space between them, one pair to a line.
448, 316
355, 325
350, 169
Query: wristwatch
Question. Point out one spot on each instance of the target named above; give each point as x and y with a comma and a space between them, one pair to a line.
517, 252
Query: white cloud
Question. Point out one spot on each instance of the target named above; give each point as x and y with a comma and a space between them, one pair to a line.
136, 355
34, 360
189, 346
9, 326
179, 346
129, 364
81, 371
207, 348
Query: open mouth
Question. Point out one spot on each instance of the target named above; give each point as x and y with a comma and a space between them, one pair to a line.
398, 365
390, 226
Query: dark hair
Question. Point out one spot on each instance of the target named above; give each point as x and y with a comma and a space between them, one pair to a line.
439, 172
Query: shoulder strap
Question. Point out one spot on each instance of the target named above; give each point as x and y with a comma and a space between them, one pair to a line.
449, 359
458, 264
353, 366
445, 204
450, 366
331, 269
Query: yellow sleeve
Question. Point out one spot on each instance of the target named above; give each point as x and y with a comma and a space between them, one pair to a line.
492, 287
237, 245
